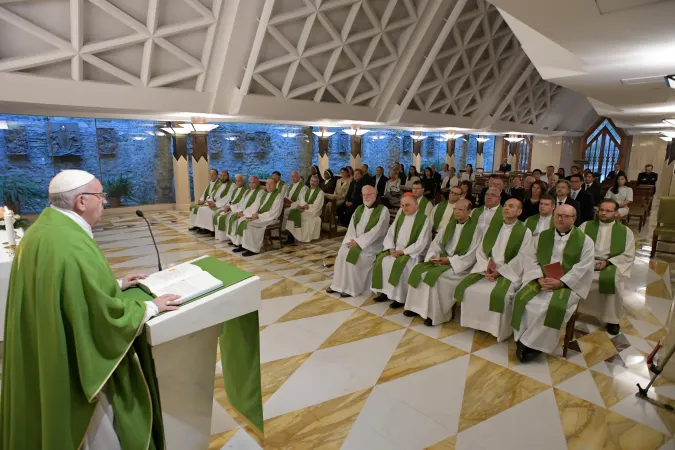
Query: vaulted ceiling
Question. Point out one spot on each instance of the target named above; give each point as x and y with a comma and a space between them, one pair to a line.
399, 63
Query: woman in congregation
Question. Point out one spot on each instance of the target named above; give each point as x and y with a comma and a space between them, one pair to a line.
561, 173
342, 185
449, 181
467, 191
468, 174
531, 202
429, 184
392, 190
445, 171
401, 173
621, 194
331, 182
412, 177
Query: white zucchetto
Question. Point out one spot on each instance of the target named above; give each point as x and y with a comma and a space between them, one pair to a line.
67, 180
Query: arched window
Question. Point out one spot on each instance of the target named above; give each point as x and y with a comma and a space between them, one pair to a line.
604, 146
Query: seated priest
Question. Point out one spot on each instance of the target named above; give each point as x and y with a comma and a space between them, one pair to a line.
75, 371
248, 200
224, 210
207, 195
252, 222
293, 195
281, 186
404, 246
558, 272
487, 294
614, 256
442, 213
490, 211
304, 220
203, 220
362, 243
544, 220
449, 259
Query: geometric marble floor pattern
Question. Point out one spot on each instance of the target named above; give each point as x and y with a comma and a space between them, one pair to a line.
354, 374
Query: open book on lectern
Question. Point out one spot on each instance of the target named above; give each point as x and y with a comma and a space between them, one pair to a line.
185, 280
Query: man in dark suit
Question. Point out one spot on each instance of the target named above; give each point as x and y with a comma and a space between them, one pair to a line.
437, 178
352, 200
563, 198
495, 181
574, 170
380, 180
585, 199
592, 187
648, 177
616, 172
505, 167
366, 176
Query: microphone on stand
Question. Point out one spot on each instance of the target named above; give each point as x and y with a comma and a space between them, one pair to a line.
140, 214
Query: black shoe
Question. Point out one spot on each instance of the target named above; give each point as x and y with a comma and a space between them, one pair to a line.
529, 354
290, 240
344, 295
232, 244
248, 253
409, 313
193, 228
381, 298
239, 249
212, 233
520, 351
613, 328
428, 322
396, 305
330, 291
203, 231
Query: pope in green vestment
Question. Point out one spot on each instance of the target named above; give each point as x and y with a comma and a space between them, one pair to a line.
75, 371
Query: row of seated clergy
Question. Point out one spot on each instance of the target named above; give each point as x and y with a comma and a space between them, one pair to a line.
496, 272
302, 218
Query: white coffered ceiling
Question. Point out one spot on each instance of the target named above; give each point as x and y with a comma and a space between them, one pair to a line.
399, 63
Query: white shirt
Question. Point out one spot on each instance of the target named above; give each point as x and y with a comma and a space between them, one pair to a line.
559, 202
485, 218
543, 224
544, 178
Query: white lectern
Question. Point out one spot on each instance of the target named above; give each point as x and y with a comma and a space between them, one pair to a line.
184, 346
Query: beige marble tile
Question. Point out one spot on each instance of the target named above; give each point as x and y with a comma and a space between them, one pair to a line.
628, 328
218, 441
416, 352
446, 444
655, 336
596, 347
588, 426
482, 340
360, 325
316, 305
506, 389
659, 267
612, 390
658, 289
451, 328
561, 370
275, 373
283, 288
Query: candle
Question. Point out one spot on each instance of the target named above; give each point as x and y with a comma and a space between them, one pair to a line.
9, 226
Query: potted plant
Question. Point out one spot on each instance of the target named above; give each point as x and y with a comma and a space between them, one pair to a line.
22, 194
118, 188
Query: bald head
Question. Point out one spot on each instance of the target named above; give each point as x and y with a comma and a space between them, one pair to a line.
409, 205
492, 197
512, 209
564, 216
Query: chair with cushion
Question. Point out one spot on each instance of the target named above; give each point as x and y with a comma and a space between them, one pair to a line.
665, 224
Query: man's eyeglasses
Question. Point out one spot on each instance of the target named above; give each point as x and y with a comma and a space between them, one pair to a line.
101, 195
564, 216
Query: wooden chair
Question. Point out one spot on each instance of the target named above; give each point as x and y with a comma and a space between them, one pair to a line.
329, 216
570, 331
665, 224
274, 226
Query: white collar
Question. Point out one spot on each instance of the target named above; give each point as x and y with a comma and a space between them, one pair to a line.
508, 225
76, 218
606, 225
494, 208
557, 200
545, 217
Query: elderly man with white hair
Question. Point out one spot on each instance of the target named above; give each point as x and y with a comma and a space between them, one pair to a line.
69, 354
204, 218
490, 211
360, 246
252, 221
294, 193
304, 220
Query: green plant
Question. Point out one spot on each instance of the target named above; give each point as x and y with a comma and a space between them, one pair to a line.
22, 194
119, 187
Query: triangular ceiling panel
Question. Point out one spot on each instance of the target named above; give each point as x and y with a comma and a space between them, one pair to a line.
99, 26
53, 17
127, 59
172, 12
165, 62
60, 69
137, 9
191, 42
24, 44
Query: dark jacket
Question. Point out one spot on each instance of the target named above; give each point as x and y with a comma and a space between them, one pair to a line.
647, 178
518, 193
506, 167
612, 175
594, 190
481, 198
354, 192
529, 209
380, 185
576, 205
586, 205
368, 179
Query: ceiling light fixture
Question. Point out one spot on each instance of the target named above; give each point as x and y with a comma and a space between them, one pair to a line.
231, 138
355, 131
178, 131
156, 133
670, 134
199, 127
4, 125
324, 134
670, 81
139, 138
665, 138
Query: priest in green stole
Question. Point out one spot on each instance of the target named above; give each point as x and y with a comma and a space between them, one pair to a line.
250, 229
404, 246
492, 209
71, 374
205, 213
614, 256
423, 203
248, 201
304, 220
449, 259
360, 246
442, 213
544, 220
225, 208
207, 195
543, 305
487, 294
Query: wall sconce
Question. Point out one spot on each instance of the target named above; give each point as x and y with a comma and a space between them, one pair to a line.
418, 137
513, 138
324, 134
482, 139
176, 131
199, 127
452, 136
355, 131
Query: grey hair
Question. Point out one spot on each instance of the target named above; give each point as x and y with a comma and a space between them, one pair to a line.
315, 176
66, 200
564, 182
239, 175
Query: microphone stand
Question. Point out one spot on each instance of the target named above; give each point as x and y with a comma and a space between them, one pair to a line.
140, 214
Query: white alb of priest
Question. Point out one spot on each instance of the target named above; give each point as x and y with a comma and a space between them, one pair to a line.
310, 225
251, 196
255, 230
204, 217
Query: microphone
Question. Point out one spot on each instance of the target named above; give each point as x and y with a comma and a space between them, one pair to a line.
140, 214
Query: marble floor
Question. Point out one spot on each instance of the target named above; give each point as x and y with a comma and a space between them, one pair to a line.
354, 374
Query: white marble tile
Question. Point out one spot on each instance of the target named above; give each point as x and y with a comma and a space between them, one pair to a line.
640, 343
354, 301
660, 307
462, 341
362, 436
332, 372
378, 308
498, 353
583, 386
506, 431
241, 441
221, 421
400, 319
433, 332
537, 369
670, 445
281, 340
644, 328
272, 309
319, 285
640, 411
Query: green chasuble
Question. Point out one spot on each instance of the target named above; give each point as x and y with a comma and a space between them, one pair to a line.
228, 186
422, 204
438, 215
617, 245
221, 220
532, 221
432, 272
70, 333
295, 214
401, 261
194, 207
355, 252
502, 285
266, 203
294, 191
497, 216
555, 315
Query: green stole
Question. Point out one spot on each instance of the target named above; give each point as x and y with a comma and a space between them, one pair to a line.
280, 185
438, 215
555, 315
532, 221
433, 271
399, 264
296, 192
222, 219
498, 214
231, 218
617, 245
501, 288
266, 203
228, 185
422, 204
374, 219
295, 214
194, 207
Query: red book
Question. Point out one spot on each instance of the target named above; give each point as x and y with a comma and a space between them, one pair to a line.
554, 271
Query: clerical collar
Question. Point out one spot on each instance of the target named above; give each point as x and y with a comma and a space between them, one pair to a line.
561, 201
494, 208
509, 225
603, 224
563, 234
77, 219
